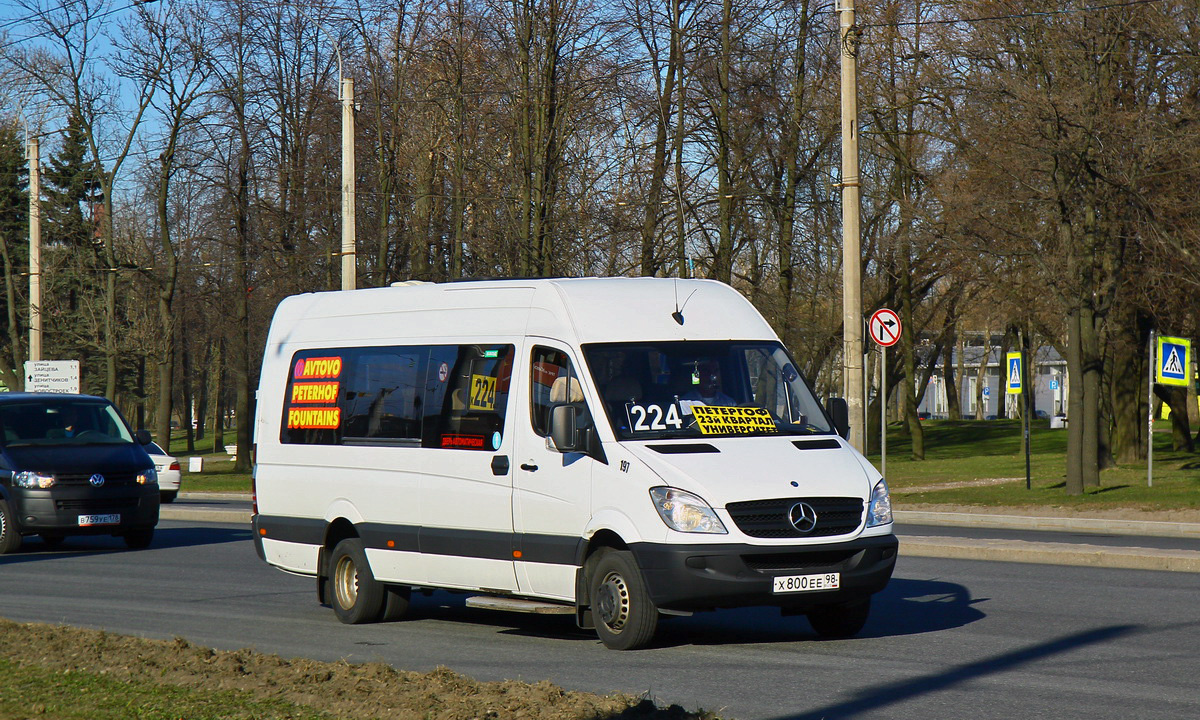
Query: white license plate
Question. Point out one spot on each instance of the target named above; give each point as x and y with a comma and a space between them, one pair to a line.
85, 520
807, 583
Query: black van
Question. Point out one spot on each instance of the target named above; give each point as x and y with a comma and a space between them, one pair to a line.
70, 465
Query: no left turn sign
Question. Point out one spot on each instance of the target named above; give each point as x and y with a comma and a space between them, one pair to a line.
885, 327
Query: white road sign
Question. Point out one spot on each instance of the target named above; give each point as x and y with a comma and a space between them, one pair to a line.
885, 327
55, 376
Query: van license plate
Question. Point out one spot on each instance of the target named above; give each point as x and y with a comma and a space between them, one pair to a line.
85, 520
807, 583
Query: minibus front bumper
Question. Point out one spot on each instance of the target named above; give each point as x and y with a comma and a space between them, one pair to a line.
703, 577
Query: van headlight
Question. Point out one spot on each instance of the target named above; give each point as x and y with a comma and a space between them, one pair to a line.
685, 512
147, 477
880, 510
33, 480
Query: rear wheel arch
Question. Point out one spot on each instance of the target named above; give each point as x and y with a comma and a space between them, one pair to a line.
335, 532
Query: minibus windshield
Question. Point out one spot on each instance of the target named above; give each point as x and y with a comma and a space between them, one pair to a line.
703, 388
62, 422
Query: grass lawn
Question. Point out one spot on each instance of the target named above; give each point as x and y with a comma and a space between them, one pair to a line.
960, 455
218, 474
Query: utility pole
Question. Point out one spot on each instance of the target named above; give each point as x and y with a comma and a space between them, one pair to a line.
852, 320
33, 154
349, 250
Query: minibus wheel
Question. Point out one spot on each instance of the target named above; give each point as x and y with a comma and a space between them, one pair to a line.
624, 615
395, 602
139, 538
53, 540
10, 537
356, 598
840, 621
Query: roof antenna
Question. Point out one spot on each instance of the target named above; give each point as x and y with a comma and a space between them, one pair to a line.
678, 314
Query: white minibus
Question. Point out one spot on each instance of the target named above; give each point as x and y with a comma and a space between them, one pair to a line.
616, 449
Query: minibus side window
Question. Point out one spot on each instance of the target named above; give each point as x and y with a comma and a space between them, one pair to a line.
382, 395
312, 413
444, 396
553, 381
466, 396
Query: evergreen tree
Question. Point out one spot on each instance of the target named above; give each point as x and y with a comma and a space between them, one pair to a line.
72, 187
73, 264
14, 255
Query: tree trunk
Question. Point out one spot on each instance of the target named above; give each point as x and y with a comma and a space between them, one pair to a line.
909, 355
1092, 366
981, 375
1002, 390
1126, 373
1075, 419
658, 172
1181, 432
953, 410
722, 267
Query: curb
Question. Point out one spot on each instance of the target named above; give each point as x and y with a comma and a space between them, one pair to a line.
222, 516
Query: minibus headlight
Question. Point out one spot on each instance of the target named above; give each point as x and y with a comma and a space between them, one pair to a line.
147, 477
32, 480
880, 510
685, 512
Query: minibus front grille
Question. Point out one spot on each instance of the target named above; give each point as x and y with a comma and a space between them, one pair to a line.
80, 479
769, 519
98, 505
810, 561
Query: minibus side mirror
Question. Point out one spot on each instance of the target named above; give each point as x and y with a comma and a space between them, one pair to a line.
143, 437
839, 412
563, 430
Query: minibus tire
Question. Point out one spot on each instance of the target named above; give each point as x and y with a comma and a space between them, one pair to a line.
139, 538
10, 537
624, 615
355, 595
395, 602
834, 622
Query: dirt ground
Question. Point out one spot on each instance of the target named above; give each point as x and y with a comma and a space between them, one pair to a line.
372, 690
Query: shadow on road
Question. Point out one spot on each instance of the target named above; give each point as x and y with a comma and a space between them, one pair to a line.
876, 698
33, 548
905, 607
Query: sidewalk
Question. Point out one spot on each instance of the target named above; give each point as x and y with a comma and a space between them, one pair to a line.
1127, 554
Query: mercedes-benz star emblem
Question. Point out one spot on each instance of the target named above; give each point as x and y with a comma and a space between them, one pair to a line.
803, 517
96, 480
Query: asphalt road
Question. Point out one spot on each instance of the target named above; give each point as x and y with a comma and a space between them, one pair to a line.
947, 639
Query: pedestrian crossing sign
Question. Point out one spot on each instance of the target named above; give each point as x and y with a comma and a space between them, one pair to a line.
1174, 361
1014, 373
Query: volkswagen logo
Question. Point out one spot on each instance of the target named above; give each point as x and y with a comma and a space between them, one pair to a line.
803, 517
97, 480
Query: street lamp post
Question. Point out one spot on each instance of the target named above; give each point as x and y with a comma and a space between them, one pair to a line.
33, 154
349, 250
852, 320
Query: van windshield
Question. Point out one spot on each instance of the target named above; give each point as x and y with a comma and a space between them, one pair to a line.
69, 421
695, 389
